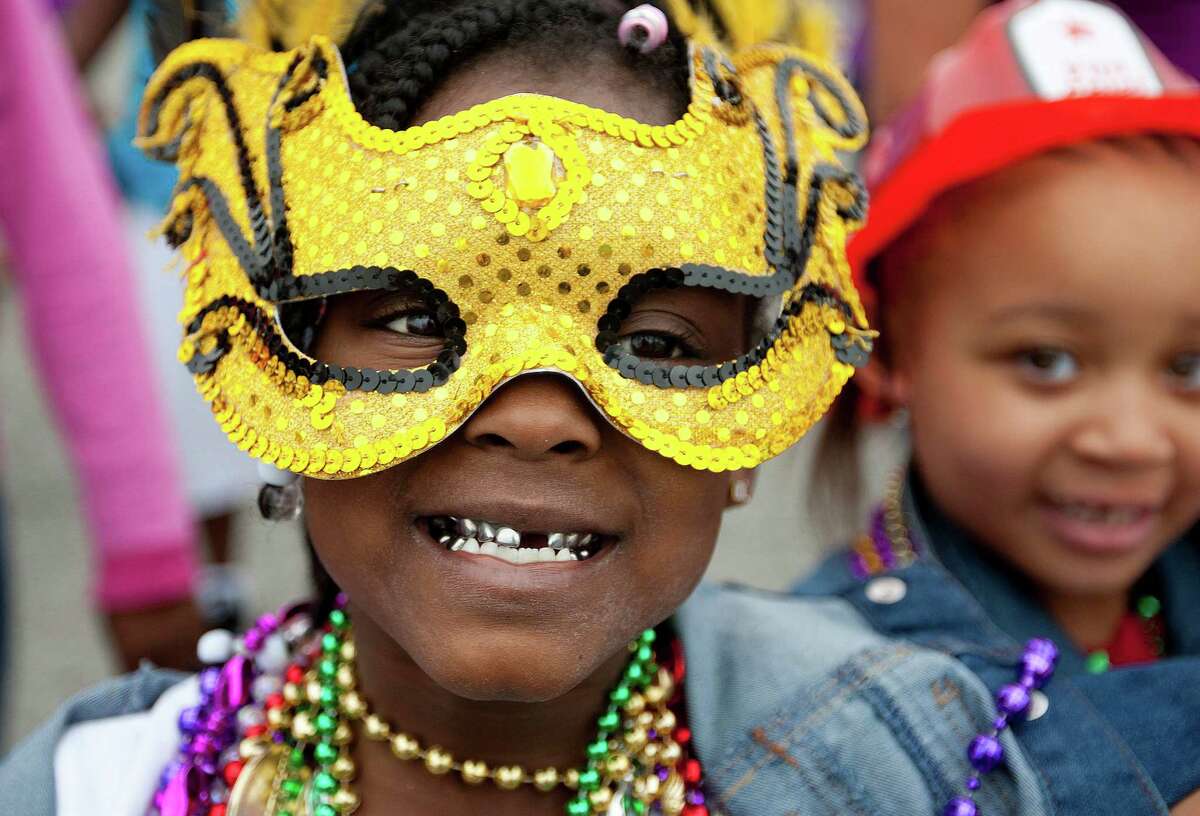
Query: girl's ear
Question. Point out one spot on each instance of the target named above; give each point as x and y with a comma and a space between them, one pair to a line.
885, 389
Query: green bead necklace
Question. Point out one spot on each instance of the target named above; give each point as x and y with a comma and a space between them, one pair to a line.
1148, 609
635, 759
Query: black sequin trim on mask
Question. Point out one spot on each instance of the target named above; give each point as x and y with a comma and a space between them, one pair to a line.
255, 214
665, 375
301, 331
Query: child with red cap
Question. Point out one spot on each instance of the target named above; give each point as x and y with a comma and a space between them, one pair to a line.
1033, 256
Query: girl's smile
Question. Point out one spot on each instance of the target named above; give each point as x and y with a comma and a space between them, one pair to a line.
505, 542
1101, 528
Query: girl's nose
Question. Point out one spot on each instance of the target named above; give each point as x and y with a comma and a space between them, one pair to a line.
1127, 427
535, 417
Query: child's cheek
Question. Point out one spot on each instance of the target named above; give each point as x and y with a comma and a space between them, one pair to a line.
983, 442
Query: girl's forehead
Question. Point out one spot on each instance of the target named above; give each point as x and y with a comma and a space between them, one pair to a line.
595, 81
1105, 228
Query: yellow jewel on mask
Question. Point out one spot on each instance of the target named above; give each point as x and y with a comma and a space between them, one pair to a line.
529, 173
527, 226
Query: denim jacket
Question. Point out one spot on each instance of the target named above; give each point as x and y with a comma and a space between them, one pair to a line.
1124, 743
798, 705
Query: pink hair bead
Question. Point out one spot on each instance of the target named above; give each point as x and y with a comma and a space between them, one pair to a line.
644, 28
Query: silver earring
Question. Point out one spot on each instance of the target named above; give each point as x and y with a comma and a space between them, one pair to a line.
281, 502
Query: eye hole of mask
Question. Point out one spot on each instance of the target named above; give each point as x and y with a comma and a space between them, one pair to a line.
411, 328
686, 326
656, 318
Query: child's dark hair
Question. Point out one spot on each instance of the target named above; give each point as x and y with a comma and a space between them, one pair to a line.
399, 51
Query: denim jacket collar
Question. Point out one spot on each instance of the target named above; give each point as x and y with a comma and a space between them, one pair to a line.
1006, 601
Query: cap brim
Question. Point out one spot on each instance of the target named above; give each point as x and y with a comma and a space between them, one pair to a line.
987, 140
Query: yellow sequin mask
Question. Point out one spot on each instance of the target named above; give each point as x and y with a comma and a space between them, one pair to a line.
528, 224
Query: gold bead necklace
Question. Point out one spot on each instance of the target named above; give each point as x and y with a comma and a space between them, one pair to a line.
303, 765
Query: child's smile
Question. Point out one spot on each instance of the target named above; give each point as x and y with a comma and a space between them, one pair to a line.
506, 542
630, 532
1102, 527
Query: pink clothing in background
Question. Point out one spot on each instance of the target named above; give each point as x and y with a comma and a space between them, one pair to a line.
58, 212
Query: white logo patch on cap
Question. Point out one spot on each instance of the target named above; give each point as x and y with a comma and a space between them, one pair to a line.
1077, 48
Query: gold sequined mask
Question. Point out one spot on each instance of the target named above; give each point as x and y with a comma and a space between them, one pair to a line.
529, 225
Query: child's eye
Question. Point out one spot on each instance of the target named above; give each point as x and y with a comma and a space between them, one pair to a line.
655, 346
414, 324
1048, 365
1186, 369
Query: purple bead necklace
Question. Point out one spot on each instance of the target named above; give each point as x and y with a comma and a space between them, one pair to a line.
985, 753
240, 671
889, 545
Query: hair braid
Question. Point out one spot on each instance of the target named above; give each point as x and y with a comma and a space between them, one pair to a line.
403, 49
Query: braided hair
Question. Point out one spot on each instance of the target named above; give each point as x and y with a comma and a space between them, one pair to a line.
401, 50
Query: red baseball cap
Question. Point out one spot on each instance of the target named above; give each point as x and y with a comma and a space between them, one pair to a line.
1029, 76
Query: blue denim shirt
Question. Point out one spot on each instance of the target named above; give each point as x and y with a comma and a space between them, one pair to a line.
798, 705
1122, 743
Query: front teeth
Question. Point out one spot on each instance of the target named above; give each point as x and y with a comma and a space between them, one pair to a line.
522, 555
570, 541
1094, 514
516, 555
498, 541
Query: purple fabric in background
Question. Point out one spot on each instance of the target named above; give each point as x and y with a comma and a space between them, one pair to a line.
1173, 25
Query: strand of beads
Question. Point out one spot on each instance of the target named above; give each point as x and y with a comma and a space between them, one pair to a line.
197, 782
888, 544
985, 752
306, 721
642, 766
609, 763
637, 764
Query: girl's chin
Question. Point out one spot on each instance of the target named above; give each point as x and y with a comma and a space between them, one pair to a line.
513, 666
487, 683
